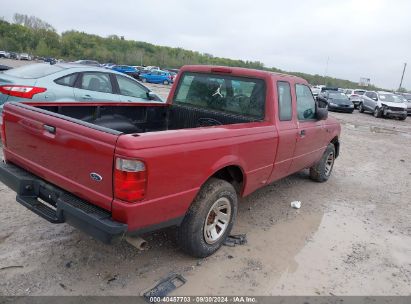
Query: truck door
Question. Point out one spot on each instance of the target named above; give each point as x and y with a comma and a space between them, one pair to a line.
287, 131
310, 142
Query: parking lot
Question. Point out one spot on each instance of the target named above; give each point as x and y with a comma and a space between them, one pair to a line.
352, 235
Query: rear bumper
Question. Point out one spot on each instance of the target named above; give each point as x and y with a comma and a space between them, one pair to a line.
59, 206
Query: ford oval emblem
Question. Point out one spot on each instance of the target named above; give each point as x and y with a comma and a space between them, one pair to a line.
96, 177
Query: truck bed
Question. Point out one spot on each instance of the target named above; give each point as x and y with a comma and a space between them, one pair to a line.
146, 118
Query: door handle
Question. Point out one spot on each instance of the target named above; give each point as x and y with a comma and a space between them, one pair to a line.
50, 129
87, 96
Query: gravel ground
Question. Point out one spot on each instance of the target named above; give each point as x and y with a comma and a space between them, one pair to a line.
352, 235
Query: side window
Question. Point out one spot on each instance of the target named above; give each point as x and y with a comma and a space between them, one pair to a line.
131, 88
68, 80
284, 101
368, 94
374, 95
305, 102
98, 82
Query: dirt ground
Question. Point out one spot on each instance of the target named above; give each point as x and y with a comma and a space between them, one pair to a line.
352, 235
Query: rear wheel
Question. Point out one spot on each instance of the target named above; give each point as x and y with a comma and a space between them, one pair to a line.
209, 220
166, 82
144, 80
361, 108
321, 171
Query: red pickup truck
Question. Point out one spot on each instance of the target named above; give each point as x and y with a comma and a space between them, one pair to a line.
112, 169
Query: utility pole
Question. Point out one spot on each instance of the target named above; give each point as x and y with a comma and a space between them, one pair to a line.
402, 77
326, 67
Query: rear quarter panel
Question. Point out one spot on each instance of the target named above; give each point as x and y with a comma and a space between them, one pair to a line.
179, 162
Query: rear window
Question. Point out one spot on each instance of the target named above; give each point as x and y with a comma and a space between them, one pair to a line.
230, 94
37, 70
359, 92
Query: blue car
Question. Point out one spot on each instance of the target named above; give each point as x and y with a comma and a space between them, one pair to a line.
156, 76
126, 69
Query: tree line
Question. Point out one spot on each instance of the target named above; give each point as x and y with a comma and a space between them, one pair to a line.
37, 37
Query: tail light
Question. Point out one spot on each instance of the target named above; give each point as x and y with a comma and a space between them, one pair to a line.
3, 130
130, 180
21, 91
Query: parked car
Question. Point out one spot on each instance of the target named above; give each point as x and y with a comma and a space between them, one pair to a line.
88, 62
50, 60
315, 91
403, 99
140, 167
407, 96
126, 69
13, 55
70, 82
4, 54
24, 56
336, 101
355, 96
108, 65
156, 76
383, 104
4, 67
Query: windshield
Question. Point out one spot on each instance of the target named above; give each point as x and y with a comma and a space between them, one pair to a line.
389, 98
400, 98
37, 70
337, 96
229, 94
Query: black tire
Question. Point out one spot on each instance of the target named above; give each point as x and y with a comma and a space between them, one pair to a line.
361, 108
403, 118
320, 172
191, 233
377, 112
166, 82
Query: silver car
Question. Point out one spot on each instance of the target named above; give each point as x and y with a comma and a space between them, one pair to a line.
70, 82
383, 104
355, 96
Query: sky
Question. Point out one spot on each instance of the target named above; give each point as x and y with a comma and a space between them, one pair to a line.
359, 38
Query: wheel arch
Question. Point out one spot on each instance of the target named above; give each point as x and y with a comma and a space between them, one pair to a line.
335, 141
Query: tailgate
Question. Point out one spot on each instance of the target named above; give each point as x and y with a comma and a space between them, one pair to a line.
74, 155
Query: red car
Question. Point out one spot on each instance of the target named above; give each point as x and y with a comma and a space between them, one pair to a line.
112, 169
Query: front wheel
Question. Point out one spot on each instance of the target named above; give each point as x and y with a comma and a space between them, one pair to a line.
377, 112
321, 171
361, 108
209, 220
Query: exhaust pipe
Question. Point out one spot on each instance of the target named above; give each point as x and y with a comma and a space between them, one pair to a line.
137, 242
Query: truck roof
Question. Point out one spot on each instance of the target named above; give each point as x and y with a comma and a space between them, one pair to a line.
241, 71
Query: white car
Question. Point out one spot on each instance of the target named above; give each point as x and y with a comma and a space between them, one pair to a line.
383, 104
4, 54
24, 56
355, 96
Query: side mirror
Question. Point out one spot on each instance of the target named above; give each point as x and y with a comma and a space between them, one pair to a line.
153, 96
322, 113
